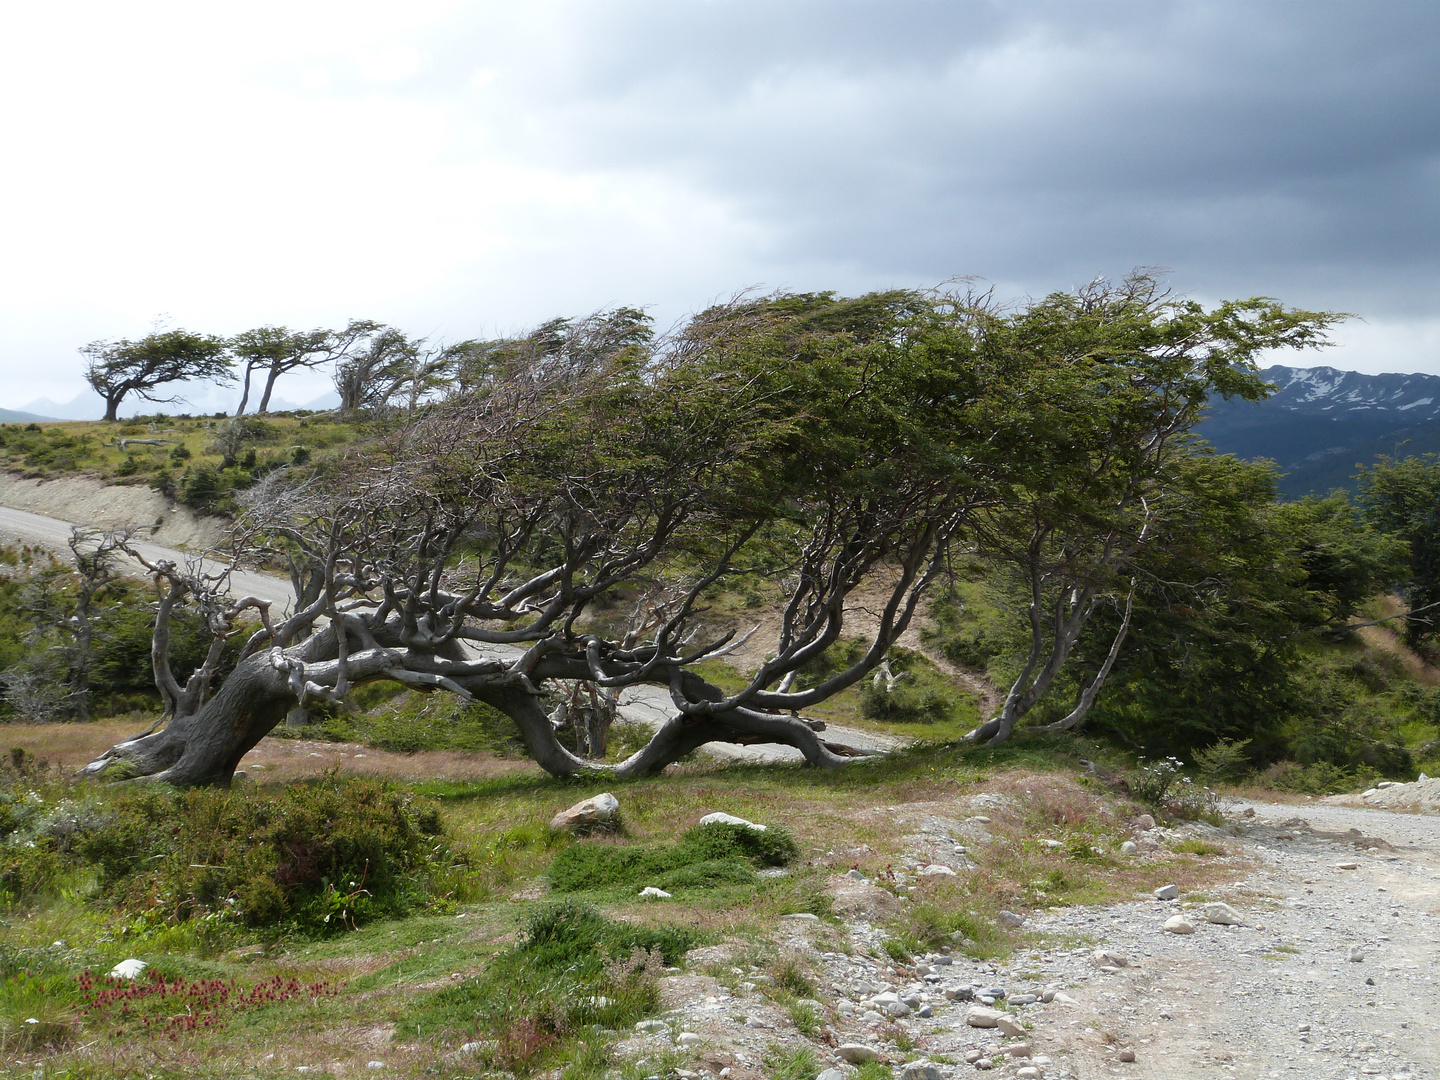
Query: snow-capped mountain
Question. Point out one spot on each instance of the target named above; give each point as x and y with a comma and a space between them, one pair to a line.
1321, 423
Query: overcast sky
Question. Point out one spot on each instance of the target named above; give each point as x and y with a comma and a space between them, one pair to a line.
462, 169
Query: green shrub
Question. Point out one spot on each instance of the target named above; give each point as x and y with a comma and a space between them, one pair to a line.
706, 857
922, 694
321, 857
572, 971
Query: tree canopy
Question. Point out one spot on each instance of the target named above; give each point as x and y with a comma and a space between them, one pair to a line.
117, 369
828, 444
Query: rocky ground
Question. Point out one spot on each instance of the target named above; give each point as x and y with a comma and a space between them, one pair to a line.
1327, 971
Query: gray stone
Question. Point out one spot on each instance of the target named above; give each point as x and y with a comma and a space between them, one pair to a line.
898, 1009
856, 1053
1126, 1055
1007, 1026
972, 1056
599, 810
925, 1012
1167, 892
855, 875
920, 1070
729, 819
1022, 999
1222, 915
831, 1074
688, 1038
1128, 848
1010, 920
1178, 924
1357, 954
1109, 958
374, 1064
982, 1018
1020, 1050
802, 916
1144, 823
937, 870
1048, 995
1027, 1072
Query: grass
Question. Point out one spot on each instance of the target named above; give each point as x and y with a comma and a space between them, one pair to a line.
480, 967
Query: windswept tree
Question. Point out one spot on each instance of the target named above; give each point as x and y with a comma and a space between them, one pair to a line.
117, 369
275, 350
828, 445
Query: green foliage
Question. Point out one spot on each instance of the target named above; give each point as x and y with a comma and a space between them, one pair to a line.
573, 971
1403, 499
1224, 760
706, 857
797, 1064
321, 857
385, 716
1317, 778
922, 694
1164, 786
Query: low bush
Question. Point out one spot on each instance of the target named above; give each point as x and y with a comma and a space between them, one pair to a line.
921, 694
573, 971
319, 857
706, 857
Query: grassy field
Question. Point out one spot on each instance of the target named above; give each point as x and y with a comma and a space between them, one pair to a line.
485, 947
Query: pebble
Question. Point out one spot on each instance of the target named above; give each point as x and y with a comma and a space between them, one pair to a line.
1178, 924
1357, 953
1347, 866
1126, 1055
1167, 892
1027, 1072
856, 1053
685, 1038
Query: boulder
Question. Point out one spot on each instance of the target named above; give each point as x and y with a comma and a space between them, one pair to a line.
983, 1018
590, 814
1010, 920
851, 900
856, 1053
650, 892
127, 969
1178, 924
920, 1070
936, 870
1167, 892
729, 819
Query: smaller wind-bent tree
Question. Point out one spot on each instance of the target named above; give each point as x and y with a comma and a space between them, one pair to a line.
1127, 372
276, 350
117, 369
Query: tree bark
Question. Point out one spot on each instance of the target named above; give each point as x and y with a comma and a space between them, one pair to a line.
204, 748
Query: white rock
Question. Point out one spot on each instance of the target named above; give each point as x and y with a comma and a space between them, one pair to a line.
1027, 1072
1167, 892
1052, 844
1010, 1027
729, 819
688, 1038
1128, 848
1063, 998
802, 916
937, 870
652, 893
982, 1018
831, 1074
1357, 953
1109, 958
598, 810
128, 969
374, 1064
1223, 915
856, 1053
1178, 924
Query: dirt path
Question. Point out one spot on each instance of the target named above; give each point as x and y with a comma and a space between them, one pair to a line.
1278, 996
